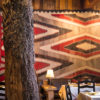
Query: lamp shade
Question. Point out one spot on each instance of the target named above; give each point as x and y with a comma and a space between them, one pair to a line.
50, 73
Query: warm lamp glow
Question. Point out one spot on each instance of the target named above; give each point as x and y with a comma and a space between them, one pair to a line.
50, 73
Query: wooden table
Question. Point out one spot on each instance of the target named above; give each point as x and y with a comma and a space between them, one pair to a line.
89, 96
50, 91
74, 91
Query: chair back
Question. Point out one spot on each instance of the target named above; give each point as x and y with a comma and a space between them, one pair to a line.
2, 91
68, 92
86, 84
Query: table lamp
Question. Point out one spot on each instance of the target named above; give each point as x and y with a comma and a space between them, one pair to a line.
50, 75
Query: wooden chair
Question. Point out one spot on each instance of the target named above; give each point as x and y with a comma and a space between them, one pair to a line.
56, 95
86, 84
41, 90
43, 94
68, 92
2, 91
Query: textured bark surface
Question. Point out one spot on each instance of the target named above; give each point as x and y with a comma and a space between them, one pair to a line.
21, 81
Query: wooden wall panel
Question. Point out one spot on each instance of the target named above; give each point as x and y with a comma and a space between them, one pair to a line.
75, 4
57, 7
97, 7
49, 4
66, 4
92, 4
36, 4
62, 4
70, 4
54, 4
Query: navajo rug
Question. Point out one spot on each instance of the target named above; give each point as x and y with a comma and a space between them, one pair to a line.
68, 42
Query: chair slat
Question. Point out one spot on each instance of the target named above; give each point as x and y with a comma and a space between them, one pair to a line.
86, 84
68, 92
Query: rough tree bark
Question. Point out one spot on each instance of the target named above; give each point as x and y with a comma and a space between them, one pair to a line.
21, 81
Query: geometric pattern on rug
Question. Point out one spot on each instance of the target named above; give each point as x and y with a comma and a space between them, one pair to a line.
84, 46
86, 72
68, 42
84, 19
51, 62
2, 53
74, 38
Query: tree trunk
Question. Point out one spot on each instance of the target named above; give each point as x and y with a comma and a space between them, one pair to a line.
21, 81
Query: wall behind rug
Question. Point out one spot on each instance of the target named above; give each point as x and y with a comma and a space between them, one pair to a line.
66, 4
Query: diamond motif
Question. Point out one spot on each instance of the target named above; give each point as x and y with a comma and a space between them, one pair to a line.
86, 46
